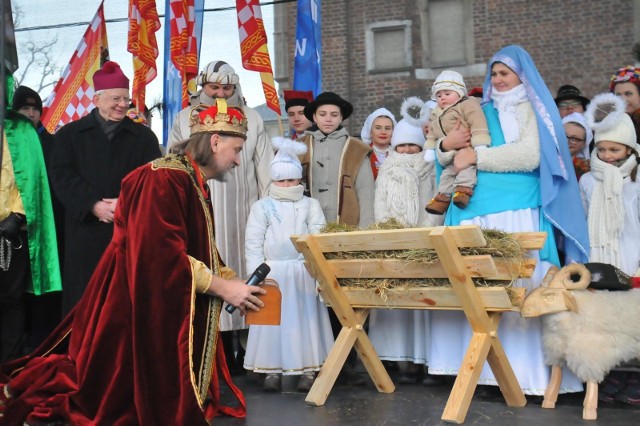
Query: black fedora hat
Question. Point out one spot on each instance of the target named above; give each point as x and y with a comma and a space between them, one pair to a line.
567, 92
328, 98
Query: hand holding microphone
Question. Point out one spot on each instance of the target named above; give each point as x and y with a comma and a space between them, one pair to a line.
255, 279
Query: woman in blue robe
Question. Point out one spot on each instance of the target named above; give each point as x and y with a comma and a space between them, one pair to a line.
526, 183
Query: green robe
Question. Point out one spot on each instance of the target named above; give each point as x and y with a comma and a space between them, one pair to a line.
33, 186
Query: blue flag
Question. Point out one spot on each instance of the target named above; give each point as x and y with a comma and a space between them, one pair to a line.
307, 70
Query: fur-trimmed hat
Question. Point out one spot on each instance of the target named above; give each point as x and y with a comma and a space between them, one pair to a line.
26, 96
296, 98
110, 76
217, 72
607, 118
407, 133
286, 164
449, 80
328, 98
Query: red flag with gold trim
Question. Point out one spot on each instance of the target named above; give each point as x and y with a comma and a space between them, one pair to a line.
72, 97
142, 43
254, 50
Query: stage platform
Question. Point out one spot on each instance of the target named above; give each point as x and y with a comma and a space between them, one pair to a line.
412, 405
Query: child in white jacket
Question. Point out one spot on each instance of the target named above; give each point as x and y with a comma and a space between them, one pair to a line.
611, 191
300, 344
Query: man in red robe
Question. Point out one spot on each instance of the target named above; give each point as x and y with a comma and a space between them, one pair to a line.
143, 343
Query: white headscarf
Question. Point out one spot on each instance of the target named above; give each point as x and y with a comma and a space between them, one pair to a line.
579, 119
365, 133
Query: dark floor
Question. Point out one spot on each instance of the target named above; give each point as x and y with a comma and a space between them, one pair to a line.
412, 405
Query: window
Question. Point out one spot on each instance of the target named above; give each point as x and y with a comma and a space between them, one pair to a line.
388, 46
446, 35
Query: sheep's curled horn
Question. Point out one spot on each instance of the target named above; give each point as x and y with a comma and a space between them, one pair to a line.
562, 278
415, 102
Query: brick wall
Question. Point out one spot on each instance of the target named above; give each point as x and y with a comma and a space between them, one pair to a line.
579, 42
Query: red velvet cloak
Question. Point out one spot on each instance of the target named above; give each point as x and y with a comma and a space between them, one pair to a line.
143, 345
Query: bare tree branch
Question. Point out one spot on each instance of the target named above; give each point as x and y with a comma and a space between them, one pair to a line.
40, 62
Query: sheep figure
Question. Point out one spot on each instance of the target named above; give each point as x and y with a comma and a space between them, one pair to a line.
589, 331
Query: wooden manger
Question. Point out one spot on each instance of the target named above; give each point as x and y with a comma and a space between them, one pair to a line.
483, 306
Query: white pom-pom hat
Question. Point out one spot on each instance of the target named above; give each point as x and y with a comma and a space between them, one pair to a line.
286, 164
407, 133
607, 118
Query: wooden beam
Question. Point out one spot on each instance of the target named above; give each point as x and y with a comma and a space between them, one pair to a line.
461, 394
502, 371
415, 238
329, 287
493, 298
493, 269
332, 366
394, 239
460, 280
370, 358
531, 240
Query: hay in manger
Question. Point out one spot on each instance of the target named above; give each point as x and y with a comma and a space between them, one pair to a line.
499, 245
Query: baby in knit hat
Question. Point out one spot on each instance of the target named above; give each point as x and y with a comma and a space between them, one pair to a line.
454, 110
284, 349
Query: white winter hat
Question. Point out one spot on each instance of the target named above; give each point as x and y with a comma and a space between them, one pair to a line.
365, 133
286, 164
405, 133
218, 72
580, 120
607, 118
449, 80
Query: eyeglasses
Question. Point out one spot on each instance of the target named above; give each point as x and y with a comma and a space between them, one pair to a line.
573, 139
569, 104
118, 99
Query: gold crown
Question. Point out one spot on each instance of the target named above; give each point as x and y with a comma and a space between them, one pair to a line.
218, 118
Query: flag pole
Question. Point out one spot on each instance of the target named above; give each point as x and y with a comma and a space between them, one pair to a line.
280, 125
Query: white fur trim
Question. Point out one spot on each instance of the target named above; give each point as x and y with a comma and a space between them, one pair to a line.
444, 158
417, 103
289, 145
612, 117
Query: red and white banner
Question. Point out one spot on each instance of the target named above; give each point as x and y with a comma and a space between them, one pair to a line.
72, 97
142, 43
254, 49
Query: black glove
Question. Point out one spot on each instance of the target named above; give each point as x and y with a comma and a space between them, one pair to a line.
10, 226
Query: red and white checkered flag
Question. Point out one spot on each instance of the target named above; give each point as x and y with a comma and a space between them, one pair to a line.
72, 97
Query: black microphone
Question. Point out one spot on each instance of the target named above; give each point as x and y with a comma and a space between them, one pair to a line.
256, 278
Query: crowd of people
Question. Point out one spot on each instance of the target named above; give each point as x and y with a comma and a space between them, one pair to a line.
148, 248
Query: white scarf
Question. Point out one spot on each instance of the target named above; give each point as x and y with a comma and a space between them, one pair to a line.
286, 193
505, 103
402, 175
606, 209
